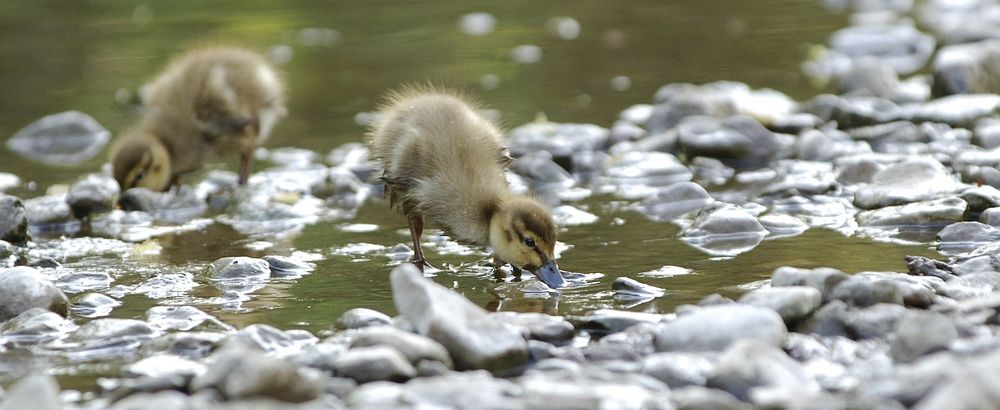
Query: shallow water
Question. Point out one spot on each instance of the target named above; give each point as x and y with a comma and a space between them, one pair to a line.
81, 54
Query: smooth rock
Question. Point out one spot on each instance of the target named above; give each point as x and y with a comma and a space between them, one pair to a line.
972, 285
625, 287
981, 198
738, 141
35, 392
990, 217
920, 333
938, 212
105, 329
966, 236
358, 318
459, 390
35, 325
714, 328
47, 211
23, 288
902, 46
607, 321
13, 220
678, 369
862, 292
242, 373
638, 174
911, 181
368, 364
184, 318
540, 169
869, 76
473, 338
677, 101
750, 368
82, 281
560, 140
986, 133
793, 303
675, 201
285, 266
703, 398
827, 145
270, 339
65, 138
967, 68
94, 194
725, 230
858, 172
415, 348
177, 205
962, 110
240, 267
541, 327
976, 387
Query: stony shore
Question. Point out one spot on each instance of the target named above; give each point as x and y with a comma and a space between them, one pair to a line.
895, 155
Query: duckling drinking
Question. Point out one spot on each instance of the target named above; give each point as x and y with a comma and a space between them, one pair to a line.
218, 99
443, 161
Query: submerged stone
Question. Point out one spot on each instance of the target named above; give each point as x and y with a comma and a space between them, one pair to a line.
65, 138
725, 230
675, 201
358, 318
240, 267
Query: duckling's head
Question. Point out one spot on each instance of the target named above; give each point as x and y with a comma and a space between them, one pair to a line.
141, 161
523, 234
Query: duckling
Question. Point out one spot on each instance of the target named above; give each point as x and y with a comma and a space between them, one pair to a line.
218, 99
442, 161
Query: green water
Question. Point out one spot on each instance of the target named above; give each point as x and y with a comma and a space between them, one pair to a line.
77, 55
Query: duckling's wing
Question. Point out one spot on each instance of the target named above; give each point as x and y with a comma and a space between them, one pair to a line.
396, 189
216, 121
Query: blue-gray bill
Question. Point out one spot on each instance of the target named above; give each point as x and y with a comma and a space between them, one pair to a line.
549, 273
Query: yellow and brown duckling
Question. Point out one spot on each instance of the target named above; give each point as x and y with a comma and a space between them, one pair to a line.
442, 161
211, 100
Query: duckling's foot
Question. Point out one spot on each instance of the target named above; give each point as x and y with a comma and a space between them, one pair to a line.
517, 273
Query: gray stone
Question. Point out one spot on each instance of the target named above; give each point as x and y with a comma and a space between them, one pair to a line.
101, 330
966, 236
539, 326
976, 387
714, 328
474, 339
972, 284
750, 368
920, 333
710, 171
911, 382
243, 373
827, 145
35, 392
910, 181
13, 220
607, 321
23, 288
929, 213
560, 140
738, 141
625, 287
35, 325
414, 347
368, 364
177, 205
94, 194
703, 398
986, 133
726, 230
961, 110
540, 169
981, 198
967, 68
82, 281
990, 217
782, 225
269, 338
675, 201
47, 210
875, 321
793, 303
287, 267
593, 388
869, 76
675, 102
643, 172
185, 318
862, 292
460, 390
860, 171
822, 279
901, 46
358, 318
678, 369
240, 267
68, 137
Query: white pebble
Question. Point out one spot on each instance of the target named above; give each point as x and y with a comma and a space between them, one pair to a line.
527, 54
477, 24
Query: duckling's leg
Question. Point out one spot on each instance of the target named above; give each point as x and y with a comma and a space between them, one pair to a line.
246, 157
416, 229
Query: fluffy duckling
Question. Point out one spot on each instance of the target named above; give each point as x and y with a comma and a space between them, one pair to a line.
443, 161
218, 99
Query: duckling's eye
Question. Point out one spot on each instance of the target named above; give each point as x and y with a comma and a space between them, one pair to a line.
529, 242
138, 177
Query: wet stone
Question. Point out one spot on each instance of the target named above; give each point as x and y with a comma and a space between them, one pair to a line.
782, 225
678, 369
714, 328
240, 267
93, 305
920, 333
460, 390
981, 198
966, 236
869, 76
13, 220
23, 288
676, 200
710, 171
341, 188
184, 318
368, 364
703, 398
902, 46
990, 217
677, 101
47, 211
36, 392
542, 327
633, 292
65, 138
956, 110
35, 325
972, 285
827, 145
474, 339
862, 292
793, 303
560, 140
83, 281
738, 141
725, 230
269, 338
967, 68
94, 194
44, 263
285, 266
607, 321
541, 171
938, 212
637, 174
750, 368
176, 205
976, 386
906, 182
243, 373
415, 348
358, 318
109, 329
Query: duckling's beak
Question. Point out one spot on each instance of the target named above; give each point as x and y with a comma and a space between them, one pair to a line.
549, 273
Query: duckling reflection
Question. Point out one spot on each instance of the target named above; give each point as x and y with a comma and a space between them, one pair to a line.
443, 161
211, 100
